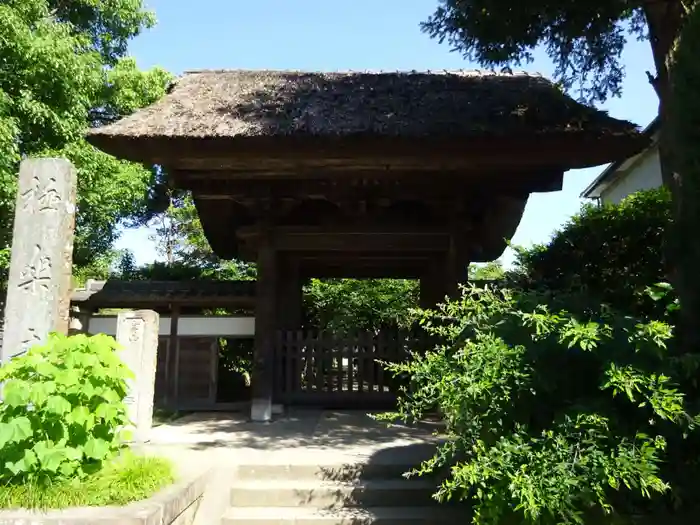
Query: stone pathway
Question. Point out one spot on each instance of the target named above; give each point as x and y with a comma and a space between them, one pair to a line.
225, 443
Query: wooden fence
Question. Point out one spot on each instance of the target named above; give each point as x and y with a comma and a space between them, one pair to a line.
324, 369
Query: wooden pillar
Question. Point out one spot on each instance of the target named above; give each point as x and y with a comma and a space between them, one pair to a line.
265, 327
290, 299
85, 319
432, 284
213, 371
172, 359
457, 265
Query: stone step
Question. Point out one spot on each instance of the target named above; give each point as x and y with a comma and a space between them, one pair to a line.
329, 494
325, 472
388, 463
375, 516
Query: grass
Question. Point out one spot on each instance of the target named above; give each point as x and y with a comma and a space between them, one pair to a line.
127, 479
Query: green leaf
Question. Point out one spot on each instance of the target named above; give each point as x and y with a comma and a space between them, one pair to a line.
16, 393
22, 428
110, 396
96, 448
46, 369
69, 377
73, 453
16, 430
50, 457
106, 411
88, 390
68, 468
40, 392
23, 465
7, 432
58, 405
80, 416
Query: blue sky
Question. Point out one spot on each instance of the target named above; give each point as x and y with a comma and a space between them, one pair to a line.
360, 34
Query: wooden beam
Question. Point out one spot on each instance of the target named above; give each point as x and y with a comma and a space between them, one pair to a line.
360, 255
435, 242
573, 149
361, 272
418, 184
362, 265
347, 239
159, 304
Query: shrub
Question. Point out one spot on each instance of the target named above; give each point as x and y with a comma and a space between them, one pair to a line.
63, 409
549, 414
610, 252
348, 305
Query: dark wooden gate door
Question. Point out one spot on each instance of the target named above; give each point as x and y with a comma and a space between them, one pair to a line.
322, 369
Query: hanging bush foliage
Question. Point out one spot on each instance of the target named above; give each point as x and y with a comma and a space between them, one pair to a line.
550, 415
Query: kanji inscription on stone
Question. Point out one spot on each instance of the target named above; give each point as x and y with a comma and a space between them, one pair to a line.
38, 293
137, 335
41, 195
37, 274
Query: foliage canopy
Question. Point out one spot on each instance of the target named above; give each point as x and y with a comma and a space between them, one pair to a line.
585, 40
610, 252
63, 68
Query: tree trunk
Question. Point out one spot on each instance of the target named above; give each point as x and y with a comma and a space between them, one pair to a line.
665, 20
683, 114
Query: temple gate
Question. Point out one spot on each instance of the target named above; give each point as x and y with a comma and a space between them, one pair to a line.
401, 175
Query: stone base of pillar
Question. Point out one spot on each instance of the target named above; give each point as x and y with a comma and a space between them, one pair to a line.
261, 410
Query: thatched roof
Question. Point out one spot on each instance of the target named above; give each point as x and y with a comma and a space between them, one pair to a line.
233, 104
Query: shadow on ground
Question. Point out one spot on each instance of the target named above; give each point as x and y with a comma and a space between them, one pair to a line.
297, 429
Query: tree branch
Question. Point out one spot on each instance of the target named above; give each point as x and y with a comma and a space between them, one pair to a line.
654, 81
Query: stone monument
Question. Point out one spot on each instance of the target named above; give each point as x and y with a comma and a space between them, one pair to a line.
39, 286
137, 334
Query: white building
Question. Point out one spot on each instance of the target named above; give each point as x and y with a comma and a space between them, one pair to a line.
640, 172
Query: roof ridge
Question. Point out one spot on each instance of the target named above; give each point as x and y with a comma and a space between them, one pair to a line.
442, 71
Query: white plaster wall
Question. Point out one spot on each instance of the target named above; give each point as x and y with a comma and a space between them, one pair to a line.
199, 326
644, 175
